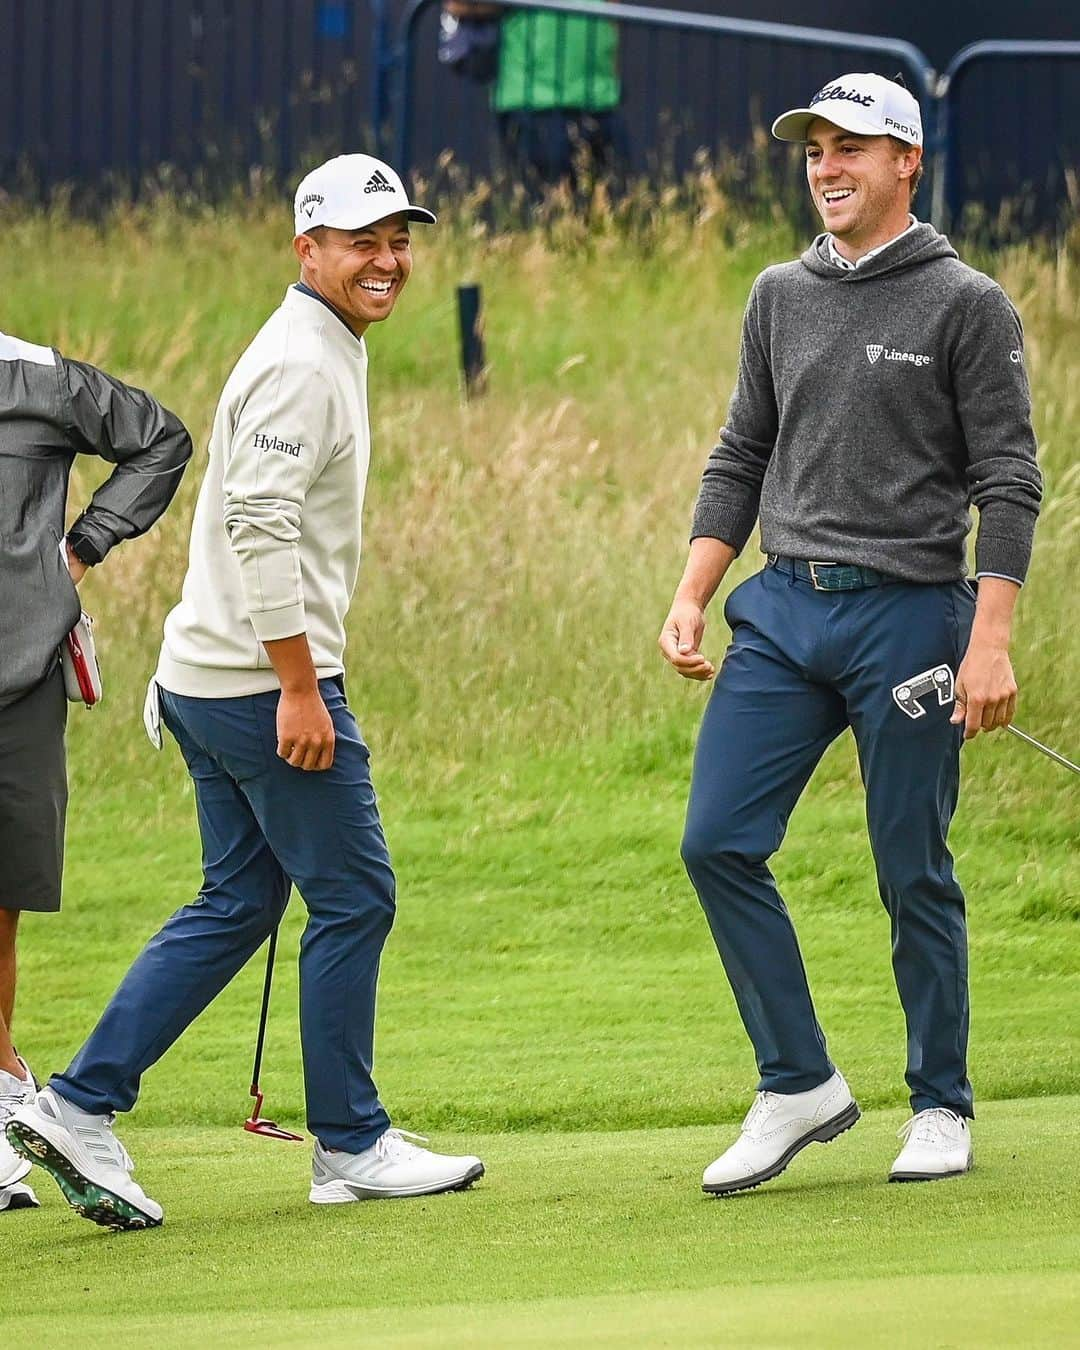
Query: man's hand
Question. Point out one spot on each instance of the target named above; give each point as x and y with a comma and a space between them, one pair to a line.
305, 730
75, 566
680, 640
985, 689
680, 637
985, 685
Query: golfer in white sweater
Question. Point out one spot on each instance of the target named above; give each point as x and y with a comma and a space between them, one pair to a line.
250, 682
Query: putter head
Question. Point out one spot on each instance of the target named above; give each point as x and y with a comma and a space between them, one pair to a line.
269, 1129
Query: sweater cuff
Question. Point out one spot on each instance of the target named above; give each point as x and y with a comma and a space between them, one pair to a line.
272, 624
1002, 555
730, 522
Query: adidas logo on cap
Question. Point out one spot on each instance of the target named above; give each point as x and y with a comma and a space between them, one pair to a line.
378, 182
351, 192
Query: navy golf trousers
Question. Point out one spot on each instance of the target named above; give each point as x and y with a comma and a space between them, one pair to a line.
264, 825
803, 665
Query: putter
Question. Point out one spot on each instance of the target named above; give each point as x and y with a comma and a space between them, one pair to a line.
1050, 754
255, 1123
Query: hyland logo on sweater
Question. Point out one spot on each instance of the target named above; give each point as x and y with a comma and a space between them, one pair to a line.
378, 182
263, 442
876, 352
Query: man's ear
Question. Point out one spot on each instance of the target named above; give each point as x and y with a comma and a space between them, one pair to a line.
305, 249
910, 160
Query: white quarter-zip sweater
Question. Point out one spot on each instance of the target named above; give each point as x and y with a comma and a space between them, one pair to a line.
275, 541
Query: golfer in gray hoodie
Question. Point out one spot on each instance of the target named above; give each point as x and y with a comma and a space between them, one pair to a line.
881, 393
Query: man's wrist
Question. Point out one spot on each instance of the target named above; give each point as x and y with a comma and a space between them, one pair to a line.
692, 595
303, 687
81, 546
994, 635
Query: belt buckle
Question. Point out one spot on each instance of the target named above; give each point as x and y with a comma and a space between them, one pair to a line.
813, 566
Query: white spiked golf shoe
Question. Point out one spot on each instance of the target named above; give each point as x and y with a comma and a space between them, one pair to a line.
85, 1159
937, 1144
391, 1167
14, 1092
778, 1126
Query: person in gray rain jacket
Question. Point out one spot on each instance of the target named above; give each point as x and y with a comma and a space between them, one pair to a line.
52, 409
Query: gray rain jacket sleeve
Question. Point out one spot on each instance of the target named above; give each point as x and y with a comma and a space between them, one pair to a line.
50, 410
149, 445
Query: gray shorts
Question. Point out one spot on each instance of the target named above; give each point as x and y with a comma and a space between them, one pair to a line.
33, 797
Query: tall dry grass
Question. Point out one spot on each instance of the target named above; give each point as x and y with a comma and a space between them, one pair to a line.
519, 551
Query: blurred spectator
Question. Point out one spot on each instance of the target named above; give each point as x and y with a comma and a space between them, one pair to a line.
556, 94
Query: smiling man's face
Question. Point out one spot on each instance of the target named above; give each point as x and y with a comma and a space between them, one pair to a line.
860, 184
360, 272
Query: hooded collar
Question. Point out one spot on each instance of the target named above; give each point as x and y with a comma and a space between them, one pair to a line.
838, 259
919, 243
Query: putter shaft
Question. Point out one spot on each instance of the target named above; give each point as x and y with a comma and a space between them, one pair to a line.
1050, 754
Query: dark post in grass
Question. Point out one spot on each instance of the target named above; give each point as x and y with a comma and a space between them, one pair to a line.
471, 325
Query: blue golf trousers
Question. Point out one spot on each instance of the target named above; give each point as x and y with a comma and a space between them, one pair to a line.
802, 666
264, 825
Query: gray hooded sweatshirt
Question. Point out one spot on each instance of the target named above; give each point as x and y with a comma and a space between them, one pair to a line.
873, 407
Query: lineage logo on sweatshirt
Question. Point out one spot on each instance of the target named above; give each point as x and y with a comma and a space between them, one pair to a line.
876, 352
263, 442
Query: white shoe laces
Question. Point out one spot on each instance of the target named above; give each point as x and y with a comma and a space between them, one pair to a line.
937, 1125
11, 1101
393, 1145
758, 1115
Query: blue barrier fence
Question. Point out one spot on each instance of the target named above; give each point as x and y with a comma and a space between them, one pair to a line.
104, 94
702, 26
1039, 72
719, 122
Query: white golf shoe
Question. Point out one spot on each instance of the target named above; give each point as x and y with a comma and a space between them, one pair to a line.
14, 1092
85, 1159
937, 1143
392, 1166
778, 1126
18, 1196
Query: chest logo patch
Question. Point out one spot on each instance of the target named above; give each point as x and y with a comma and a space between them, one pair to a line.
906, 694
876, 351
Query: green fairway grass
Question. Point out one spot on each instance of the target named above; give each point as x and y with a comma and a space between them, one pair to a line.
598, 1238
550, 967
550, 996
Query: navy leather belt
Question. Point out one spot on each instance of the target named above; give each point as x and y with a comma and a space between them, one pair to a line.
830, 576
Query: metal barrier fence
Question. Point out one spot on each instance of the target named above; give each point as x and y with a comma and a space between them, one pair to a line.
967, 97
103, 94
704, 85
693, 77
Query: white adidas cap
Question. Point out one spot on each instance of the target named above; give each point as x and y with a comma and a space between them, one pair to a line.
351, 191
870, 105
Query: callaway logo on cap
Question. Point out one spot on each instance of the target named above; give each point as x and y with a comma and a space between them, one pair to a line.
352, 191
867, 104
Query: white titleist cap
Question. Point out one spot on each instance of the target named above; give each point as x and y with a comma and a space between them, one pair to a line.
352, 191
870, 105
